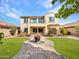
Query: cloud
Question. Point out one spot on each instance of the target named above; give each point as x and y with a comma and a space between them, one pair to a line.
1, 8
4, 7
45, 3
12, 15
14, 10
13, 1
8, 11
21, 2
26, 2
7, 1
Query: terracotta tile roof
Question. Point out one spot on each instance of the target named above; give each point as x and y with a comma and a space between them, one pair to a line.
73, 24
4, 24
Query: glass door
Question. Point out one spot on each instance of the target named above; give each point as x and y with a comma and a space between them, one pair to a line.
34, 30
40, 30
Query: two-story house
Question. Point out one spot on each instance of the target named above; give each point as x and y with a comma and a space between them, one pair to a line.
39, 24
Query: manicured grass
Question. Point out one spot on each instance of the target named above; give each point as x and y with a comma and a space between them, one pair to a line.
67, 47
10, 47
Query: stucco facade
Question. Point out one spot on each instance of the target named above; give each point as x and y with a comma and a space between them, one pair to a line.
71, 27
39, 24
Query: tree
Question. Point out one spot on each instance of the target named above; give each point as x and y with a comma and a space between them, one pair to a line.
68, 8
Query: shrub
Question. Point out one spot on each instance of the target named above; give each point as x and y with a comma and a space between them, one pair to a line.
1, 35
64, 31
12, 30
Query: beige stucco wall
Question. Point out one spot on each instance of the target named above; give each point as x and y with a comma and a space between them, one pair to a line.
23, 25
72, 30
71, 27
51, 14
46, 17
5, 31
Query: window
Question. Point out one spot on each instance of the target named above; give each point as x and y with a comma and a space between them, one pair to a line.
25, 29
41, 20
25, 20
51, 19
34, 20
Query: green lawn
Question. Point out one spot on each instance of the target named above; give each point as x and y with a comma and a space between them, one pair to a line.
66, 47
10, 47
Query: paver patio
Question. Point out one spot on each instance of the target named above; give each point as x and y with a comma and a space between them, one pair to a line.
40, 50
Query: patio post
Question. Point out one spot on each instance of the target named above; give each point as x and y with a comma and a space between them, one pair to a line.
46, 30
28, 26
58, 31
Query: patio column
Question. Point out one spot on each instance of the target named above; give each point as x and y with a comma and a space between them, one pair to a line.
22, 27
28, 26
58, 31
46, 30
28, 30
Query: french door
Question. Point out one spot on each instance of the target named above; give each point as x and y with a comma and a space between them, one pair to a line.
37, 30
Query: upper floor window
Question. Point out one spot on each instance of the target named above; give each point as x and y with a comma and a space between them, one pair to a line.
25, 29
51, 19
41, 20
25, 20
34, 20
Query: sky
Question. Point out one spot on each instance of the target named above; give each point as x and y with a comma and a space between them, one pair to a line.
11, 10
